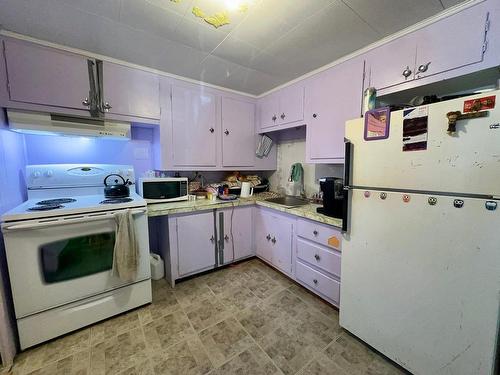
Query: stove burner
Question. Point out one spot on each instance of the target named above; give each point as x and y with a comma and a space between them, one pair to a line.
46, 207
56, 201
116, 200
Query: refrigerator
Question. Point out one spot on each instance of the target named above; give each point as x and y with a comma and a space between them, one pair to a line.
421, 250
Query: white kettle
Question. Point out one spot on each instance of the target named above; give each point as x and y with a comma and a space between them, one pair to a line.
246, 190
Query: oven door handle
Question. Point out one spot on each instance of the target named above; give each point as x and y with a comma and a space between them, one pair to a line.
58, 222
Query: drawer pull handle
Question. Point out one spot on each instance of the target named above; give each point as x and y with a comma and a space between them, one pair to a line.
316, 256
212, 239
315, 281
268, 237
273, 240
315, 232
226, 237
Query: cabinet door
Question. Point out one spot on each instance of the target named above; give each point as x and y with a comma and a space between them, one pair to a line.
238, 230
263, 229
332, 98
131, 92
194, 127
291, 104
268, 110
42, 75
452, 42
392, 63
238, 133
281, 243
195, 243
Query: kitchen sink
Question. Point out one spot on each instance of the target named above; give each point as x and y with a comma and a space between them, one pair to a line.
289, 201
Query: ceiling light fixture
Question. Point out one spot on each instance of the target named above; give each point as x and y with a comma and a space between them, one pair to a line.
222, 17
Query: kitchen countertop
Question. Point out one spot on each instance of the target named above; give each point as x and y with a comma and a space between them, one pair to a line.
308, 211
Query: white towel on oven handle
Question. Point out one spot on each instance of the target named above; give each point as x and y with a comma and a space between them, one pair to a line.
126, 250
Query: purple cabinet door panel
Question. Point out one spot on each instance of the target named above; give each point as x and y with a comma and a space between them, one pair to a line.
238, 133
452, 42
388, 67
332, 97
263, 228
42, 75
291, 104
194, 127
195, 242
238, 232
268, 110
131, 92
281, 243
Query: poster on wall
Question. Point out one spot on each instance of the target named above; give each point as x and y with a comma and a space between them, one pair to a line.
415, 128
377, 124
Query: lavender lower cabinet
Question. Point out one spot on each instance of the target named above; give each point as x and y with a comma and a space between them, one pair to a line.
46, 76
237, 232
273, 239
194, 242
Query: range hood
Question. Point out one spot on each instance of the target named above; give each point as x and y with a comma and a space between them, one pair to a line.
57, 124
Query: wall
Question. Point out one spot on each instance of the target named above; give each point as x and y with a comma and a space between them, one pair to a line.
45, 149
292, 149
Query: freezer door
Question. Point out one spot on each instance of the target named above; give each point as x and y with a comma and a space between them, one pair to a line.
421, 282
466, 162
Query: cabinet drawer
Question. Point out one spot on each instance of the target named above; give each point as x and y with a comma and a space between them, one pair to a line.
319, 256
324, 285
322, 234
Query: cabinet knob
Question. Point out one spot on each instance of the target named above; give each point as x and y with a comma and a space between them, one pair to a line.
316, 256
424, 67
274, 118
211, 130
107, 106
226, 237
315, 232
273, 240
268, 237
226, 132
282, 116
212, 239
315, 281
86, 102
407, 72
315, 115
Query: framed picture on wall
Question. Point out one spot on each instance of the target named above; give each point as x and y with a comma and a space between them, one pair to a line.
377, 123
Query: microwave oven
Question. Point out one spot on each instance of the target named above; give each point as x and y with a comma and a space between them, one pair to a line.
163, 189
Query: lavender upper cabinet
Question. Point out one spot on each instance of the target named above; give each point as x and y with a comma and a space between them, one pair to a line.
195, 243
291, 104
194, 127
237, 233
268, 110
130, 92
451, 43
332, 97
238, 133
42, 75
388, 67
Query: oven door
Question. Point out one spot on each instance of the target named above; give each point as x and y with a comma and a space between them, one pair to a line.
56, 261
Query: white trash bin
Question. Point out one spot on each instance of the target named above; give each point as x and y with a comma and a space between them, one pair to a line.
157, 267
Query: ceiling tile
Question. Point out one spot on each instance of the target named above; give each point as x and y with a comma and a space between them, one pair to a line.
450, 3
252, 81
181, 7
236, 51
198, 35
390, 16
103, 8
142, 15
210, 8
323, 38
270, 64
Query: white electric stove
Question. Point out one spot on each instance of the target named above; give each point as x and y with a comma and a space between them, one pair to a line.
59, 247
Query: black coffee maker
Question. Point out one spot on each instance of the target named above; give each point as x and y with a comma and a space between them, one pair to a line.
333, 197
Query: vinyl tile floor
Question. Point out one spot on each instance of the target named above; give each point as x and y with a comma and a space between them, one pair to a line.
243, 319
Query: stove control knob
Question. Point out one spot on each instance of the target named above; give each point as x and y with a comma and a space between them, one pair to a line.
49, 173
36, 174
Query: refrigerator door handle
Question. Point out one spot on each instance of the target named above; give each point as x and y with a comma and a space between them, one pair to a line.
347, 183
